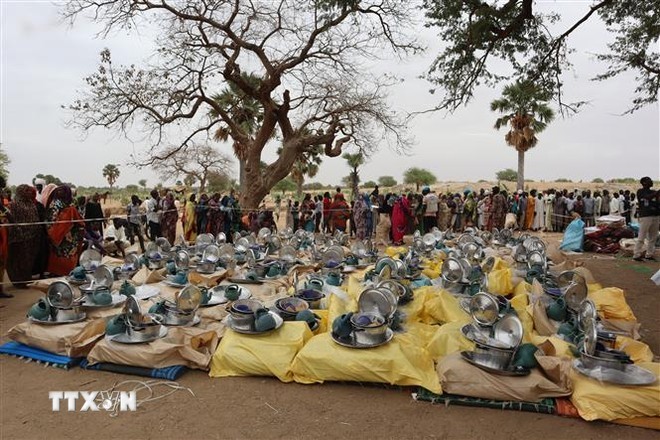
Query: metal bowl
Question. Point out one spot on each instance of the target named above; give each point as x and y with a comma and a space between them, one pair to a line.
313, 297
149, 327
211, 253
242, 313
289, 307
587, 312
67, 313
163, 244
288, 254
132, 311
182, 260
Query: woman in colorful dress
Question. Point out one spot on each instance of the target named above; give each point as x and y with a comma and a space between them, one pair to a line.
65, 232
24, 240
341, 212
400, 214
169, 219
360, 210
216, 219
530, 210
188, 220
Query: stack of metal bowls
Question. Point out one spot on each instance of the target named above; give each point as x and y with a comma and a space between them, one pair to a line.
242, 313
496, 335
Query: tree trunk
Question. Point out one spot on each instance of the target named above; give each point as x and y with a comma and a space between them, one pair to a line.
242, 184
299, 188
521, 170
202, 185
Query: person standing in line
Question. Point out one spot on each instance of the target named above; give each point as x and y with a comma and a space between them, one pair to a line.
318, 213
530, 211
633, 207
615, 206
598, 204
327, 204
133, 216
649, 219
589, 206
539, 213
153, 215
605, 207
25, 240
499, 208
430, 202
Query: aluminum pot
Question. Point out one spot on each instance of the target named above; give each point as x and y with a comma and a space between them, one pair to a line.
150, 325
242, 313
497, 358
66, 314
369, 328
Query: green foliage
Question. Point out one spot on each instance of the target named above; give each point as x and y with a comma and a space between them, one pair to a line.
132, 188
419, 176
49, 178
354, 161
314, 186
4, 163
486, 43
218, 182
285, 185
111, 173
597, 180
563, 180
142, 183
508, 175
628, 180
369, 184
387, 181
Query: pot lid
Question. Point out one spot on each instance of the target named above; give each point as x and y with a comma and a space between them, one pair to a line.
103, 276
587, 312
60, 294
188, 299
182, 260
90, 259
484, 308
376, 301
163, 244
221, 239
452, 270
211, 253
132, 311
509, 330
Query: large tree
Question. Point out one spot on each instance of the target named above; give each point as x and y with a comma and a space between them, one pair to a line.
312, 86
418, 176
194, 162
524, 108
487, 43
111, 173
387, 181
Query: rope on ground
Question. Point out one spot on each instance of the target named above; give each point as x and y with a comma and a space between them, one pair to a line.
149, 386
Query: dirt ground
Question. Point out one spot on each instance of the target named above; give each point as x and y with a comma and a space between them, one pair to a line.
264, 408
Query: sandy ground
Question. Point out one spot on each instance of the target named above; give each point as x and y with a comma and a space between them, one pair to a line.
264, 408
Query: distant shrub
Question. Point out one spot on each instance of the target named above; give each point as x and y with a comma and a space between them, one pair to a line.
563, 180
598, 180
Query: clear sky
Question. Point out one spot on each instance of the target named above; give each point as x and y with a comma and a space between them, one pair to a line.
43, 63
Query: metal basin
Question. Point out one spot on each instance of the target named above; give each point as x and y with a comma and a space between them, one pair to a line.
369, 328
311, 296
499, 359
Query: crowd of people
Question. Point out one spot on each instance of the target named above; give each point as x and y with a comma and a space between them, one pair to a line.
45, 227
390, 216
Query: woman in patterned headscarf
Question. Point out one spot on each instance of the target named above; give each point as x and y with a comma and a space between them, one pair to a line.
65, 233
24, 240
4, 246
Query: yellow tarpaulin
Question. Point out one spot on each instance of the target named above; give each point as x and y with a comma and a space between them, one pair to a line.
397, 363
270, 354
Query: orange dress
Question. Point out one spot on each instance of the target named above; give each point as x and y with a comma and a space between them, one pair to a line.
65, 240
529, 212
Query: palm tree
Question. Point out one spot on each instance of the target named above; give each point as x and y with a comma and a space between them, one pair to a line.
245, 111
355, 161
306, 165
524, 108
111, 173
